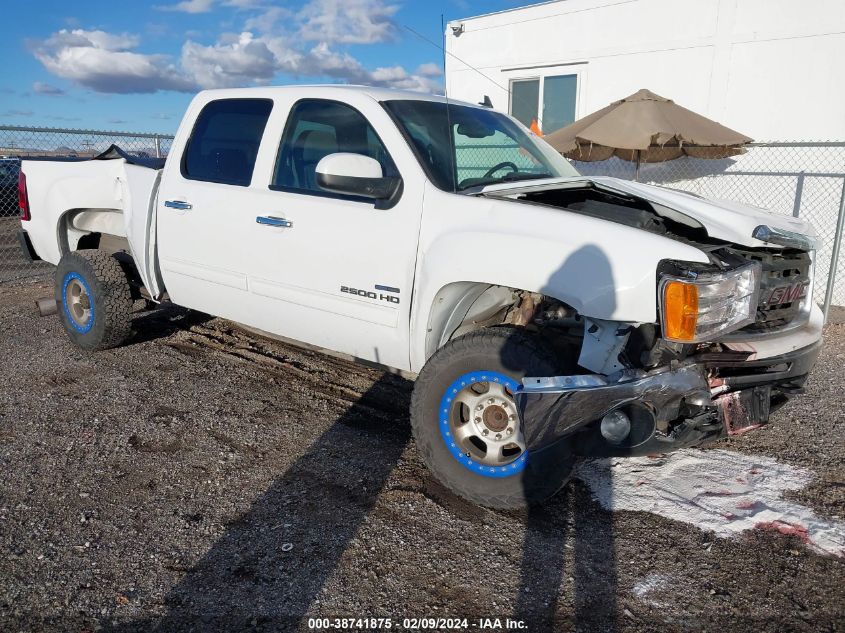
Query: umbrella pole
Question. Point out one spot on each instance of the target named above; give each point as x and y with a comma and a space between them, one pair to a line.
637, 176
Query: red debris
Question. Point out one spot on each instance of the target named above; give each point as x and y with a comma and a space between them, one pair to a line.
746, 505
784, 527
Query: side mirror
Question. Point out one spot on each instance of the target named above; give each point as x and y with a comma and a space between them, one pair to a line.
355, 175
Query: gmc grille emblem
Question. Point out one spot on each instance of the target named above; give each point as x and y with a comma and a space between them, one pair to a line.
787, 294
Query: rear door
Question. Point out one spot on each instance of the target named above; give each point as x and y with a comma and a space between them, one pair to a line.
205, 210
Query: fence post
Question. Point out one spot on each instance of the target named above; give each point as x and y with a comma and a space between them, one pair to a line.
158, 146
834, 254
799, 192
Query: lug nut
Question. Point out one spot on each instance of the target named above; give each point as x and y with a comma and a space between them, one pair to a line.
485, 432
478, 419
498, 436
479, 407
490, 401
511, 417
509, 431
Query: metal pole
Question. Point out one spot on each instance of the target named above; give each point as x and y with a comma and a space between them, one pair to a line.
158, 146
637, 173
799, 192
834, 255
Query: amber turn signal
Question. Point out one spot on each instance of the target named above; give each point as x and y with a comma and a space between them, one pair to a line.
680, 311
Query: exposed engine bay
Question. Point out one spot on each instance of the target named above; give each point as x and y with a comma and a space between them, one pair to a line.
620, 208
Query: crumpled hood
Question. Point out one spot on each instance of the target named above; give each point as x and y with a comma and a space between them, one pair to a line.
722, 219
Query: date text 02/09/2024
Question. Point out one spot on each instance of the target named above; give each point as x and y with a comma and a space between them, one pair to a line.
417, 624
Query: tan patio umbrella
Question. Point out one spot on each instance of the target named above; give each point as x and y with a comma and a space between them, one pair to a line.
646, 127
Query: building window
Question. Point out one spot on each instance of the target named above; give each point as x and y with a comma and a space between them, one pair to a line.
525, 100
557, 94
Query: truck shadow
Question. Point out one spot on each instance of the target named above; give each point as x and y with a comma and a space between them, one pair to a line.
267, 570
162, 321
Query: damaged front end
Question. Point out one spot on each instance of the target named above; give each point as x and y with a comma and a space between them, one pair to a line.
692, 402
735, 338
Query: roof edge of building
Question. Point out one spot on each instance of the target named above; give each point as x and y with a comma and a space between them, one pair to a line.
522, 8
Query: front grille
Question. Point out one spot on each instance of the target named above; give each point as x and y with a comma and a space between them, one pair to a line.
785, 286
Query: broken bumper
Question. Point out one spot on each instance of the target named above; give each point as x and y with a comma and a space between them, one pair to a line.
705, 398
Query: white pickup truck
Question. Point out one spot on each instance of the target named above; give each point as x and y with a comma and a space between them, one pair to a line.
546, 315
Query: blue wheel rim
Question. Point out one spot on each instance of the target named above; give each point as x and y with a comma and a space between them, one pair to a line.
89, 323
447, 402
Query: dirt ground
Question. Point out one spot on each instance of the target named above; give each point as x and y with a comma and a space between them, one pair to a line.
203, 479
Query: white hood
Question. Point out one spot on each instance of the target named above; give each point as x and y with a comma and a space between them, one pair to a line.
722, 219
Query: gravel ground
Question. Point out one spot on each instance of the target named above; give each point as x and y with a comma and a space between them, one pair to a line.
13, 265
202, 479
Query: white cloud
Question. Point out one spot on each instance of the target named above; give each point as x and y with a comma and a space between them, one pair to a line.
430, 70
275, 41
230, 63
347, 21
248, 59
104, 62
266, 21
42, 88
188, 6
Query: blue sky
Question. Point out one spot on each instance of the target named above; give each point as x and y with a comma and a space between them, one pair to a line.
132, 65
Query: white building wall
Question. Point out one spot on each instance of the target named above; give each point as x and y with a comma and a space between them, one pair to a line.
771, 69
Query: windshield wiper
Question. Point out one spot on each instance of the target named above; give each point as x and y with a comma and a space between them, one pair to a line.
519, 175
509, 177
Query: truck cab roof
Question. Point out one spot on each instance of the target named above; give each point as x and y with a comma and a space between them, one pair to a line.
329, 91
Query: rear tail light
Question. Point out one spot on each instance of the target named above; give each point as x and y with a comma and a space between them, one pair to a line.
23, 198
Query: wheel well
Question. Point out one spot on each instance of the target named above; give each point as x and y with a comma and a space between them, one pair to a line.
103, 230
82, 229
463, 307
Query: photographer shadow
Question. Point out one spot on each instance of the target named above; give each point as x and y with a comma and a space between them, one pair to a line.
568, 572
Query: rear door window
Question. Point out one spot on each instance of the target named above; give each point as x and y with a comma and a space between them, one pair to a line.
225, 140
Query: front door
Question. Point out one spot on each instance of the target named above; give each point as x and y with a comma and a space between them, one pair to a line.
331, 270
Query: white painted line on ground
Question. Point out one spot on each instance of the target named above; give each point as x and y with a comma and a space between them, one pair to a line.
716, 490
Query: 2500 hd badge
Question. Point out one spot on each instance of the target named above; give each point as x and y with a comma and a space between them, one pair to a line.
369, 294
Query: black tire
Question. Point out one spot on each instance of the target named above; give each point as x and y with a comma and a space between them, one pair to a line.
109, 299
515, 354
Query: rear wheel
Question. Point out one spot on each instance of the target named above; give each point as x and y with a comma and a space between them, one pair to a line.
94, 299
466, 424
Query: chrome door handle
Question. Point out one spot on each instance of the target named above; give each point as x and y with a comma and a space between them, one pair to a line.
178, 204
269, 220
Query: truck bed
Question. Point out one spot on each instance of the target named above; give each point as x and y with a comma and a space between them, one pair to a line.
113, 194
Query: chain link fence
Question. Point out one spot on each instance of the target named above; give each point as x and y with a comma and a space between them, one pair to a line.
17, 143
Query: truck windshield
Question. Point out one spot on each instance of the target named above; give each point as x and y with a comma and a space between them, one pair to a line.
470, 147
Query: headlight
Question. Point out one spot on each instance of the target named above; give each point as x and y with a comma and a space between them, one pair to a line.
700, 309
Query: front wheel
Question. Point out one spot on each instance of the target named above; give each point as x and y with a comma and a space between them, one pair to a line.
94, 299
466, 425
